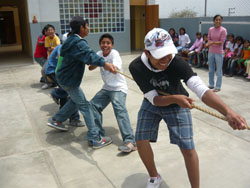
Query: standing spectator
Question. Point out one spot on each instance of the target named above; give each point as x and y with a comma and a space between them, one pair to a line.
75, 54
195, 50
40, 54
174, 36
184, 40
216, 38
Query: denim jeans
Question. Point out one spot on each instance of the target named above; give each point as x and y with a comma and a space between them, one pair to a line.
40, 61
78, 100
118, 99
198, 59
215, 61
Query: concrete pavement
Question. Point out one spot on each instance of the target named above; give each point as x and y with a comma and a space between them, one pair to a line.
33, 155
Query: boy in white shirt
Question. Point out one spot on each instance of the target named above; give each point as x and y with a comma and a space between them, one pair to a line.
114, 90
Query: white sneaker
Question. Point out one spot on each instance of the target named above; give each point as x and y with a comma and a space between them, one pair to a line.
154, 183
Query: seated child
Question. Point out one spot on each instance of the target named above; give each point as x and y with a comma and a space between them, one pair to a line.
232, 63
229, 52
184, 40
114, 90
204, 49
195, 49
245, 56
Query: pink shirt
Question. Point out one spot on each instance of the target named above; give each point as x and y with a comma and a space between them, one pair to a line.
215, 35
197, 45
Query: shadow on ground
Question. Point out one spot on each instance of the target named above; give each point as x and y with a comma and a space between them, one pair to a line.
138, 180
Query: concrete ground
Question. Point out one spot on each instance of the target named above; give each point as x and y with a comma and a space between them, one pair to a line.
33, 155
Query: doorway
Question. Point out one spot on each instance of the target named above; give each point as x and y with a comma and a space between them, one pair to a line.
143, 18
7, 28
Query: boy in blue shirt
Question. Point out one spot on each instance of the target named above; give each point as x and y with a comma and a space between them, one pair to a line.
76, 54
59, 95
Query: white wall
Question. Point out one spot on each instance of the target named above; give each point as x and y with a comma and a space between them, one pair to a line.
242, 7
44, 10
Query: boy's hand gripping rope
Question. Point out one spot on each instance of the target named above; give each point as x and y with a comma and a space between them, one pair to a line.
193, 105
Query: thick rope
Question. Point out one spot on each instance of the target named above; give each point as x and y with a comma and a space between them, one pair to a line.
193, 105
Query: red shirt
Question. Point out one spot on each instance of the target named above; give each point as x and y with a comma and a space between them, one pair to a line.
40, 51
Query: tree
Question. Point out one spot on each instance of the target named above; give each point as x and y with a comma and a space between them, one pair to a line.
185, 13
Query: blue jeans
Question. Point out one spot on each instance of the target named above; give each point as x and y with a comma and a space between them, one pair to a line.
40, 61
78, 100
215, 61
198, 58
118, 99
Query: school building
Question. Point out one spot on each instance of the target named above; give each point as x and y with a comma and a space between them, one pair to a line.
21, 21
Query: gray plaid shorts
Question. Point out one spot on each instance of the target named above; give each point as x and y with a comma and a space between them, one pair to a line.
178, 120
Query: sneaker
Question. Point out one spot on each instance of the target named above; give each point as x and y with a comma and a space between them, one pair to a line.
245, 75
56, 124
229, 75
55, 99
216, 90
127, 147
104, 141
46, 86
76, 123
154, 182
211, 87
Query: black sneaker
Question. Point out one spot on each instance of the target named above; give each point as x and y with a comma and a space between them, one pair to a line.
56, 124
211, 87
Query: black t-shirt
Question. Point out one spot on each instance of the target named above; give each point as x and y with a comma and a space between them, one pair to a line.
168, 81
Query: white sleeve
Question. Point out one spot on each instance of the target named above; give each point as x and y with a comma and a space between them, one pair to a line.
151, 95
197, 86
117, 61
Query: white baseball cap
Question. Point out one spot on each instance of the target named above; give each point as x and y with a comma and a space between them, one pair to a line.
159, 42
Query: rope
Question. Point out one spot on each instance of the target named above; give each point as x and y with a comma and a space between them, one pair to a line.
193, 105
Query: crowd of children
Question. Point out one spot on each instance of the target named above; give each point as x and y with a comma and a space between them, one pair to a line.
236, 59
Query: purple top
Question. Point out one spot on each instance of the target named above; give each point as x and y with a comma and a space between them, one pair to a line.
197, 45
215, 35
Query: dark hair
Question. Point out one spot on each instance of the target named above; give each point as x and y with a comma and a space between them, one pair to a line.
217, 15
205, 34
49, 25
76, 23
230, 35
246, 41
182, 28
239, 38
106, 36
198, 33
45, 28
172, 30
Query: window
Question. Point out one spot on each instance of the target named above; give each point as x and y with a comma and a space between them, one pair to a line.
103, 15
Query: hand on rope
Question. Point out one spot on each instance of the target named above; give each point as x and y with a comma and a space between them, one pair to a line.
193, 105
